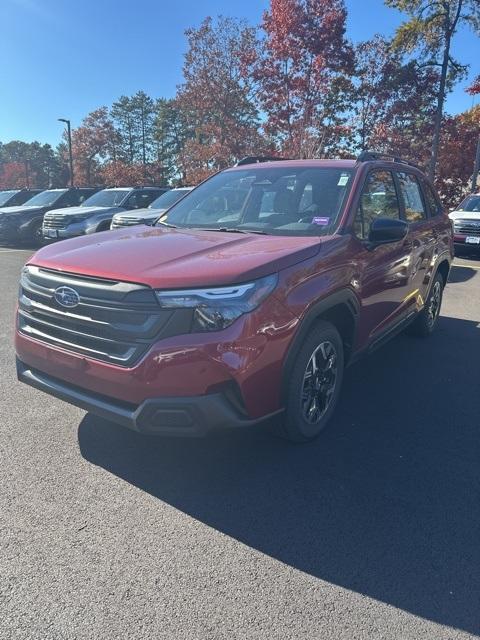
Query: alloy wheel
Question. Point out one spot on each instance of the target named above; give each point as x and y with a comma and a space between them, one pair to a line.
319, 382
434, 303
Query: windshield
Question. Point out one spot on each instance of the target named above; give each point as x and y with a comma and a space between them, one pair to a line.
45, 198
168, 198
472, 203
107, 198
284, 200
5, 196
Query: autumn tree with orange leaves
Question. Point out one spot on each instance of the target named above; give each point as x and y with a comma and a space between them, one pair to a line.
216, 99
303, 74
93, 141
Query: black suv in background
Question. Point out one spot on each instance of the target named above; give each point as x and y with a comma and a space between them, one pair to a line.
95, 214
152, 213
15, 197
24, 223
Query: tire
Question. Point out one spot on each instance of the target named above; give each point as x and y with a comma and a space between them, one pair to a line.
310, 404
426, 321
104, 226
35, 233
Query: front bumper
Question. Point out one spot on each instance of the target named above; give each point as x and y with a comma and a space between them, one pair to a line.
460, 240
173, 416
63, 233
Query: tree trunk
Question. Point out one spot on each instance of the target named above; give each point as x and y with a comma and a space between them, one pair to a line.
449, 30
439, 111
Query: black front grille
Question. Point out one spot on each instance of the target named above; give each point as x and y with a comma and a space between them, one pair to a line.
114, 321
467, 227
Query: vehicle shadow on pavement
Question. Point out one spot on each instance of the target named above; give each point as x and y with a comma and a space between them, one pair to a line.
459, 274
386, 503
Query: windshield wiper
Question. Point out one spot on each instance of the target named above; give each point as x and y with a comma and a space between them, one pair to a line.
166, 224
234, 230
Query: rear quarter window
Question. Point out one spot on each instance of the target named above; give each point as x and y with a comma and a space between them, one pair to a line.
433, 202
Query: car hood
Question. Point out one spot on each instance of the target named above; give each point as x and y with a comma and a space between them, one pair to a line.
170, 258
71, 212
21, 209
464, 215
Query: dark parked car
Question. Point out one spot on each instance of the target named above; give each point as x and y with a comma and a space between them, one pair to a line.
466, 223
216, 318
15, 197
24, 223
96, 213
151, 214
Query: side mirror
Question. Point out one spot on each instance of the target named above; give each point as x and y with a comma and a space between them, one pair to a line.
385, 230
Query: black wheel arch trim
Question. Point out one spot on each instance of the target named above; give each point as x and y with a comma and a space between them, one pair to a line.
441, 258
342, 297
27, 229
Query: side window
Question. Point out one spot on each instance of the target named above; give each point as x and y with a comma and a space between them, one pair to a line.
144, 198
412, 198
20, 198
378, 200
70, 199
84, 194
432, 200
134, 200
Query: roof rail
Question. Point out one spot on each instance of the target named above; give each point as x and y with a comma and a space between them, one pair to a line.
256, 159
367, 156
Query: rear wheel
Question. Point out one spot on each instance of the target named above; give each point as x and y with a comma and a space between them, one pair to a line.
427, 319
314, 385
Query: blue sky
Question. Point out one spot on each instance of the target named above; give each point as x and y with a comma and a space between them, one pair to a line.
63, 58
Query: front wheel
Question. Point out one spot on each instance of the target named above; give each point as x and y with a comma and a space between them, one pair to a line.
427, 319
314, 384
36, 233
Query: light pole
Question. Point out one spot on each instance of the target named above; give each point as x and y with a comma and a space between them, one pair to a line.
27, 177
69, 133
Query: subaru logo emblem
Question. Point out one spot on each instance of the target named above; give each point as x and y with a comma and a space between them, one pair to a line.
66, 297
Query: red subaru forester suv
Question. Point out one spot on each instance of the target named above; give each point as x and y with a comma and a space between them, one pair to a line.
245, 301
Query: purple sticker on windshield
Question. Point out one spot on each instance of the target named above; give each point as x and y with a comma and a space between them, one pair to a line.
323, 222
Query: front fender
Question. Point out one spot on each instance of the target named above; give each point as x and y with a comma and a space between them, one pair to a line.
92, 224
344, 297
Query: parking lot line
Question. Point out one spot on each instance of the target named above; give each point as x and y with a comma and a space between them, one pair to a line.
14, 250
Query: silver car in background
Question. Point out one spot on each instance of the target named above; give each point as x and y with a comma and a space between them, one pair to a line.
96, 213
150, 214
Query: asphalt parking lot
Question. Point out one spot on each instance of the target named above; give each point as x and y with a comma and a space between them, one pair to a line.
371, 532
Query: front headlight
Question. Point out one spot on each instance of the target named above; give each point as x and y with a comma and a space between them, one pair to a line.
218, 307
79, 217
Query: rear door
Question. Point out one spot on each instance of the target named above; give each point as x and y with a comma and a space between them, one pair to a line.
422, 233
441, 223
